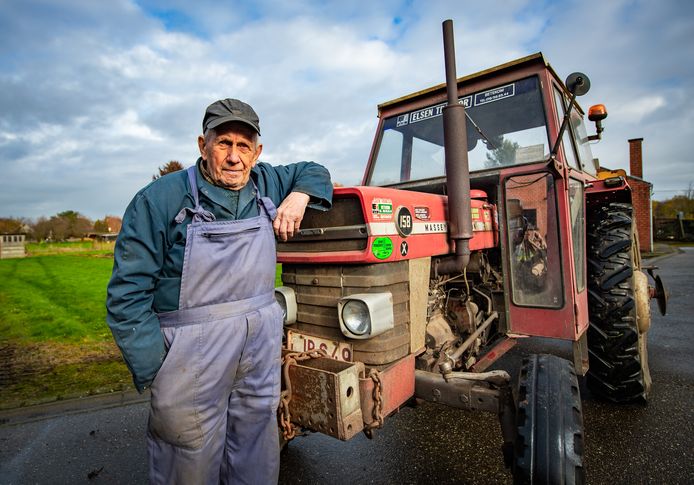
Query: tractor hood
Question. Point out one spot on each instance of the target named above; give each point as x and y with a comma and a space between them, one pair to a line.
375, 225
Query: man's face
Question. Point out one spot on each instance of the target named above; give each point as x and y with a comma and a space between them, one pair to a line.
230, 156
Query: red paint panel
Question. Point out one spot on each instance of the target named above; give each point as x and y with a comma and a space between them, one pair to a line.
494, 354
397, 386
428, 234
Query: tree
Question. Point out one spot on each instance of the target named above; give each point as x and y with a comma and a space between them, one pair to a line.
110, 224
42, 229
668, 209
61, 226
169, 167
12, 225
503, 152
100, 226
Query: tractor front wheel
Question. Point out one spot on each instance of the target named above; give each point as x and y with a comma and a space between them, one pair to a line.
549, 423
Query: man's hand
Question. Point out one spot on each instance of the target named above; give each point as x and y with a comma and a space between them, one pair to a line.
289, 215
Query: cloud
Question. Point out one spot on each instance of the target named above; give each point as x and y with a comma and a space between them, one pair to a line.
95, 96
637, 110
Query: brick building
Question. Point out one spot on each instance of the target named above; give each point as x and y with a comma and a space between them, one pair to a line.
641, 195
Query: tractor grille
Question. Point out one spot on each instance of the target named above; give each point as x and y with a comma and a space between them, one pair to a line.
318, 288
341, 229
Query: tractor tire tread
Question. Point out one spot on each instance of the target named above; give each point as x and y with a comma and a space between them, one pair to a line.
615, 371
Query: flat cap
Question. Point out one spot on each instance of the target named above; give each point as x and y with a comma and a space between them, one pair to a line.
226, 110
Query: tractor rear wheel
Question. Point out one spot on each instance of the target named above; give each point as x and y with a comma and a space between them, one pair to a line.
618, 305
549, 423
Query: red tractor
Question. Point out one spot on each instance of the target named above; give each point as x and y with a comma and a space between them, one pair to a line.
482, 217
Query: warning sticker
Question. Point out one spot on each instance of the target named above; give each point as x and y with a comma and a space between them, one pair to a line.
382, 208
382, 247
422, 213
495, 94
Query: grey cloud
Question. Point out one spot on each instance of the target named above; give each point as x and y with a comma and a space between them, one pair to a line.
124, 95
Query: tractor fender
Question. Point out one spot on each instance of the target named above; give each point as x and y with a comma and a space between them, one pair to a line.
642, 301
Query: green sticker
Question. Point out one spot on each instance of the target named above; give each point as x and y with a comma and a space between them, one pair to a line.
382, 247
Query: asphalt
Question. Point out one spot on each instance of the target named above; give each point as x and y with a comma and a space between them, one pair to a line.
67, 407
100, 439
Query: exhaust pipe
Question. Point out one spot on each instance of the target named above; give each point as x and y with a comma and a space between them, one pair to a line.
457, 167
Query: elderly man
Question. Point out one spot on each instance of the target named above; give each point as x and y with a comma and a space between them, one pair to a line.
191, 301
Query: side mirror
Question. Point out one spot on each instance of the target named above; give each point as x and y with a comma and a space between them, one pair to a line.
577, 83
596, 114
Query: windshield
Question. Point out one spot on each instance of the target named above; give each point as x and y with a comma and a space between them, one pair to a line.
505, 126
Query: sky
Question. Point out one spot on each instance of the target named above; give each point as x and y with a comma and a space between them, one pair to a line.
96, 95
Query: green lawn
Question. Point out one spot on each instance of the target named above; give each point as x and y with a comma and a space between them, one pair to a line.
54, 341
54, 298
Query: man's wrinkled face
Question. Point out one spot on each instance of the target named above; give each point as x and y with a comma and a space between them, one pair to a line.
230, 155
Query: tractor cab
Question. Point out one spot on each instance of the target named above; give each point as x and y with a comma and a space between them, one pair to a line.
514, 113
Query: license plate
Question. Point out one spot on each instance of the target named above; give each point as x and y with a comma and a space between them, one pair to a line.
300, 342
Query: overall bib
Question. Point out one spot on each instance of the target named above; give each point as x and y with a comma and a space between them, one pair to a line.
214, 400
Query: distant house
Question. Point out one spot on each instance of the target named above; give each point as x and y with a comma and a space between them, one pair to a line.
103, 236
114, 224
12, 246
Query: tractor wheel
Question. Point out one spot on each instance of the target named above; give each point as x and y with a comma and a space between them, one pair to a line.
619, 309
549, 423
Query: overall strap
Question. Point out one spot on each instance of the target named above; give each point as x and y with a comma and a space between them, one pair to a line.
199, 214
265, 204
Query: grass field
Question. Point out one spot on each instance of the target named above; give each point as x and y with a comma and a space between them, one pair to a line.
54, 341
79, 247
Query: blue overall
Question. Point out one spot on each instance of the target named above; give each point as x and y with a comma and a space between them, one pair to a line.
214, 400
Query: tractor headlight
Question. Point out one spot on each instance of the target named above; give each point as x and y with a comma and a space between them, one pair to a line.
286, 298
365, 315
355, 315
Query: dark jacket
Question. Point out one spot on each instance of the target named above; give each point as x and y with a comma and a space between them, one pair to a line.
148, 256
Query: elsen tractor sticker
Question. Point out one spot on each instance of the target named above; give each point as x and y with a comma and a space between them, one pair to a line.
431, 111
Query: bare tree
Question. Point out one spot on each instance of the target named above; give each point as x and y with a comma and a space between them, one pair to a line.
12, 225
61, 226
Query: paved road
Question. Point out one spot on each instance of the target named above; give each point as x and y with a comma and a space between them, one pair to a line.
426, 444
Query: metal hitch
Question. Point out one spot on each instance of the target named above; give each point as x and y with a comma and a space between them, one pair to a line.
341, 399
325, 396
